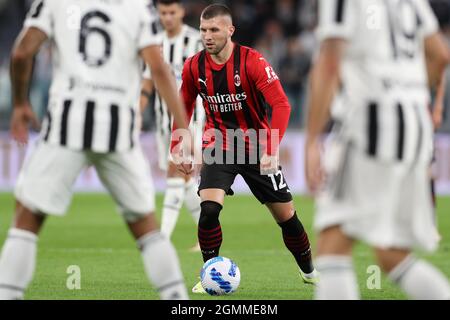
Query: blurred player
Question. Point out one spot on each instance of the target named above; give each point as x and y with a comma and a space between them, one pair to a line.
179, 42
234, 81
97, 49
373, 185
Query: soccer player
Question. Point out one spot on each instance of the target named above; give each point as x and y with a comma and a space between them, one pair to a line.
179, 42
91, 120
234, 81
373, 182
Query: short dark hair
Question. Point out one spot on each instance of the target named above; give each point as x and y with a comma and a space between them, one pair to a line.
215, 10
167, 2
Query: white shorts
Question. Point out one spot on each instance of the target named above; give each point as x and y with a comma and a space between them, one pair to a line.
163, 144
46, 179
384, 205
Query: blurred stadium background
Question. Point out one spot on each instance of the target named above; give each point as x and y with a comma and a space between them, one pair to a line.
283, 31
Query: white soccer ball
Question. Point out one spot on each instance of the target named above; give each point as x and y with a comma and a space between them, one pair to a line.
220, 276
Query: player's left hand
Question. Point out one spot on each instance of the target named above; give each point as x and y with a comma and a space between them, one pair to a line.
183, 163
22, 117
313, 166
268, 164
182, 156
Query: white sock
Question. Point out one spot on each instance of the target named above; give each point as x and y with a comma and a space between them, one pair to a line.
337, 278
192, 200
420, 280
162, 266
173, 200
17, 263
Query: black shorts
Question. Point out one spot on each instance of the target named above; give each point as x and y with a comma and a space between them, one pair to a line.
266, 188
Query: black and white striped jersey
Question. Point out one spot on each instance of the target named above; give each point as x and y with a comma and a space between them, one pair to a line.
175, 51
96, 70
383, 102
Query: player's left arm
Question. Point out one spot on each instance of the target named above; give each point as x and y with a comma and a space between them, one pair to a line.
25, 48
438, 106
337, 24
324, 82
269, 85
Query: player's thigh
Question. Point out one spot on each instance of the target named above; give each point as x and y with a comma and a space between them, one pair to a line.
216, 181
332, 241
127, 177
46, 179
271, 188
415, 221
215, 195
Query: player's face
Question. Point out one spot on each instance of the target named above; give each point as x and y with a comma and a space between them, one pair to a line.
216, 33
171, 16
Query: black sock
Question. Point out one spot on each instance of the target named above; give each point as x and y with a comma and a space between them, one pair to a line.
209, 229
297, 242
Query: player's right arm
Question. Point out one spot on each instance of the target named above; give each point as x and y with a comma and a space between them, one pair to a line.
38, 27
25, 48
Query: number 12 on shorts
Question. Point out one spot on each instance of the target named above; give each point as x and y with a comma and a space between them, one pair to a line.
277, 185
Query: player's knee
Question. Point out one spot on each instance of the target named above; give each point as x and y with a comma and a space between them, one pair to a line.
388, 259
27, 219
210, 211
333, 241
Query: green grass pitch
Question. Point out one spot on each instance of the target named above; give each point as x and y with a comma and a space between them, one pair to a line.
93, 237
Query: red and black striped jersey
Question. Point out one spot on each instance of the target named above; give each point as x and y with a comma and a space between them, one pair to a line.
235, 94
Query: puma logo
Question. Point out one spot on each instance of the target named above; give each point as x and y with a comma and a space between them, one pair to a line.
202, 81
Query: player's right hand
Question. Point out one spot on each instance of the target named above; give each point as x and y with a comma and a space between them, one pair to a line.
22, 117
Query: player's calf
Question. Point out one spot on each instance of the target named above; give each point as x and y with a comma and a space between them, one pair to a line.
209, 229
296, 240
162, 266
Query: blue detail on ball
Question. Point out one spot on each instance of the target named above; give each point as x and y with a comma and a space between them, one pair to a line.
207, 264
216, 276
211, 292
232, 271
202, 274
